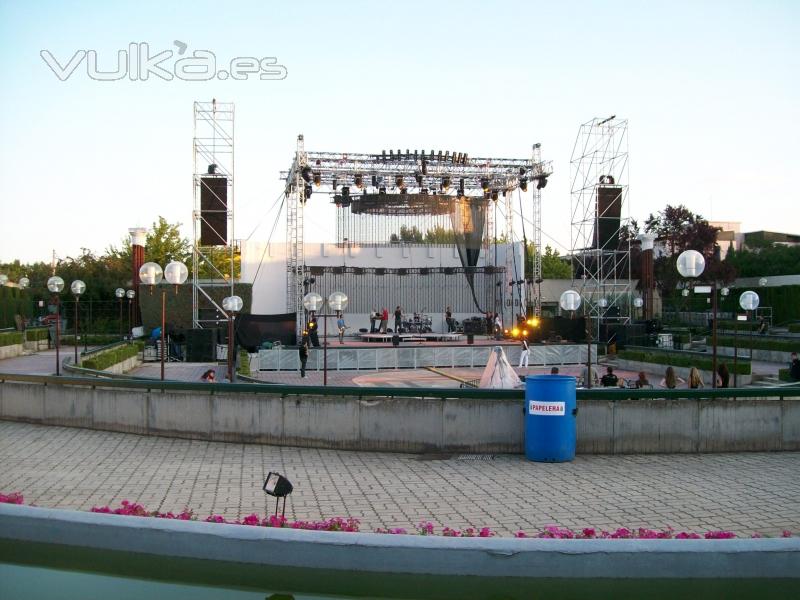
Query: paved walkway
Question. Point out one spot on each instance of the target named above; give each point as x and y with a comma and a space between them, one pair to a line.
76, 468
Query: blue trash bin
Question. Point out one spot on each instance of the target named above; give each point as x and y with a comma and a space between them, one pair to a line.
550, 415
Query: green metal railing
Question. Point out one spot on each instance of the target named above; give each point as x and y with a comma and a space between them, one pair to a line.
610, 394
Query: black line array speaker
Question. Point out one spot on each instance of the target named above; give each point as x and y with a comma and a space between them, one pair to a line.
201, 345
214, 211
607, 214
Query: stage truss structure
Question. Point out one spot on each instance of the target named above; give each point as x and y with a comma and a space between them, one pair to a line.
405, 197
600, 210
213, 149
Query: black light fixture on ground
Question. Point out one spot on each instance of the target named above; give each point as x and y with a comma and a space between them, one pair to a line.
231, 305
120, 294
277, 486
55, 285
77, 288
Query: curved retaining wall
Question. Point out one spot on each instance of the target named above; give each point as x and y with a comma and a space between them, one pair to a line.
375, 564
606, 423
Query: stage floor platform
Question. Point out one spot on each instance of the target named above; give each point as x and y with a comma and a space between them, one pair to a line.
368, 356
411, 337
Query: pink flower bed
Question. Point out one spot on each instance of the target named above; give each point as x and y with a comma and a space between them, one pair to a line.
134, 509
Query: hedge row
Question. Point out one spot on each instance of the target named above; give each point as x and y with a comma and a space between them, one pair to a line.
244, 363
738, 325
674, 359
10, 338
760, 343
794, 328
37, 334
106, 358
97, 339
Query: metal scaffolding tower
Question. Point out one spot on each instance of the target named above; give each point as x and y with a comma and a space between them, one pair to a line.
541, 171
600, 217
213, 243
296, 195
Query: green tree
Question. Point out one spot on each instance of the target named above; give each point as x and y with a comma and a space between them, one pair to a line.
554, 266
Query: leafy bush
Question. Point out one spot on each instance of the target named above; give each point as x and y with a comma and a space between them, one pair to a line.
794, 328
104, 359
678, 359
96, 339
244, 363
10, 338
37, 334
741, 326
759, 343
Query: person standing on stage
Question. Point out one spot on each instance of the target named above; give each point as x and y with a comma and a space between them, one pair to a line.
374, 317
489, 323
313, 330
498, 326
384, 319
448, 318
340, 325
398, 318
523, 356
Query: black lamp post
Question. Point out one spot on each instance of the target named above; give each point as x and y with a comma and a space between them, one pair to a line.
55, 285
77, 288
231, 305
120, 294
130, 295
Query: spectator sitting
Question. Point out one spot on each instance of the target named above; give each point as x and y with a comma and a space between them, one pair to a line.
762, 326
609, 379
209, 376
794, 367
642, 382
723, 376
695, 381
554, 371
671, 380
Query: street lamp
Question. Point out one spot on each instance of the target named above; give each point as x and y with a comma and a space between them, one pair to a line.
691, 264
748, 301
151, 274
231, 305
24, 282
77, 288
55, 284
120, 294
3, 279
571, 301
337, 302
130, 295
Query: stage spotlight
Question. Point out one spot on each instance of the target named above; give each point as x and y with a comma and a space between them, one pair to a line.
374, 181
317, 179
307, 191
391, 154
382, 190
461, 184
305, 173
515, 332
541, 183
416, 155
445, 183
335, 182
521, 171
602, 179
524, 333
424, 165
453, 157
494, 195
345, 191
418, 177
398, 181
359, 181
408, 153
212, 169
277, 486
523, 184
485, 184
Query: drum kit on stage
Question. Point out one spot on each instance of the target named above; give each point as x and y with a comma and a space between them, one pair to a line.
421, 323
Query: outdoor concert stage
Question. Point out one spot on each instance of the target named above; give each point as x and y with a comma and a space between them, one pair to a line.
370, 356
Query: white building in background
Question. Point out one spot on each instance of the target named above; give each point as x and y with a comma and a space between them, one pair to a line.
336, 267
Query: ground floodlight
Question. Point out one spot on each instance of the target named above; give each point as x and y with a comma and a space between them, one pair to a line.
277, 486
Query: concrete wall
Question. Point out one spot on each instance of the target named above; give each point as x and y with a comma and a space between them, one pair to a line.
11, 350
337, 562
765, 355
408, 424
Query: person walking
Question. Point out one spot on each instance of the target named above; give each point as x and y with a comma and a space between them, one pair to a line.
398, 319
523, 356
303, 352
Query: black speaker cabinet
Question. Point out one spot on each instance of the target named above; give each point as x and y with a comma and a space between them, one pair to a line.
608, 209
201, 345
214, 211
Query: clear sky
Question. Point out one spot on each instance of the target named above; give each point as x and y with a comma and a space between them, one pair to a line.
711, 90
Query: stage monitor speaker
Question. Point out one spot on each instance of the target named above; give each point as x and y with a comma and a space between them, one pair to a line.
201, 345
214, 211
607, 214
